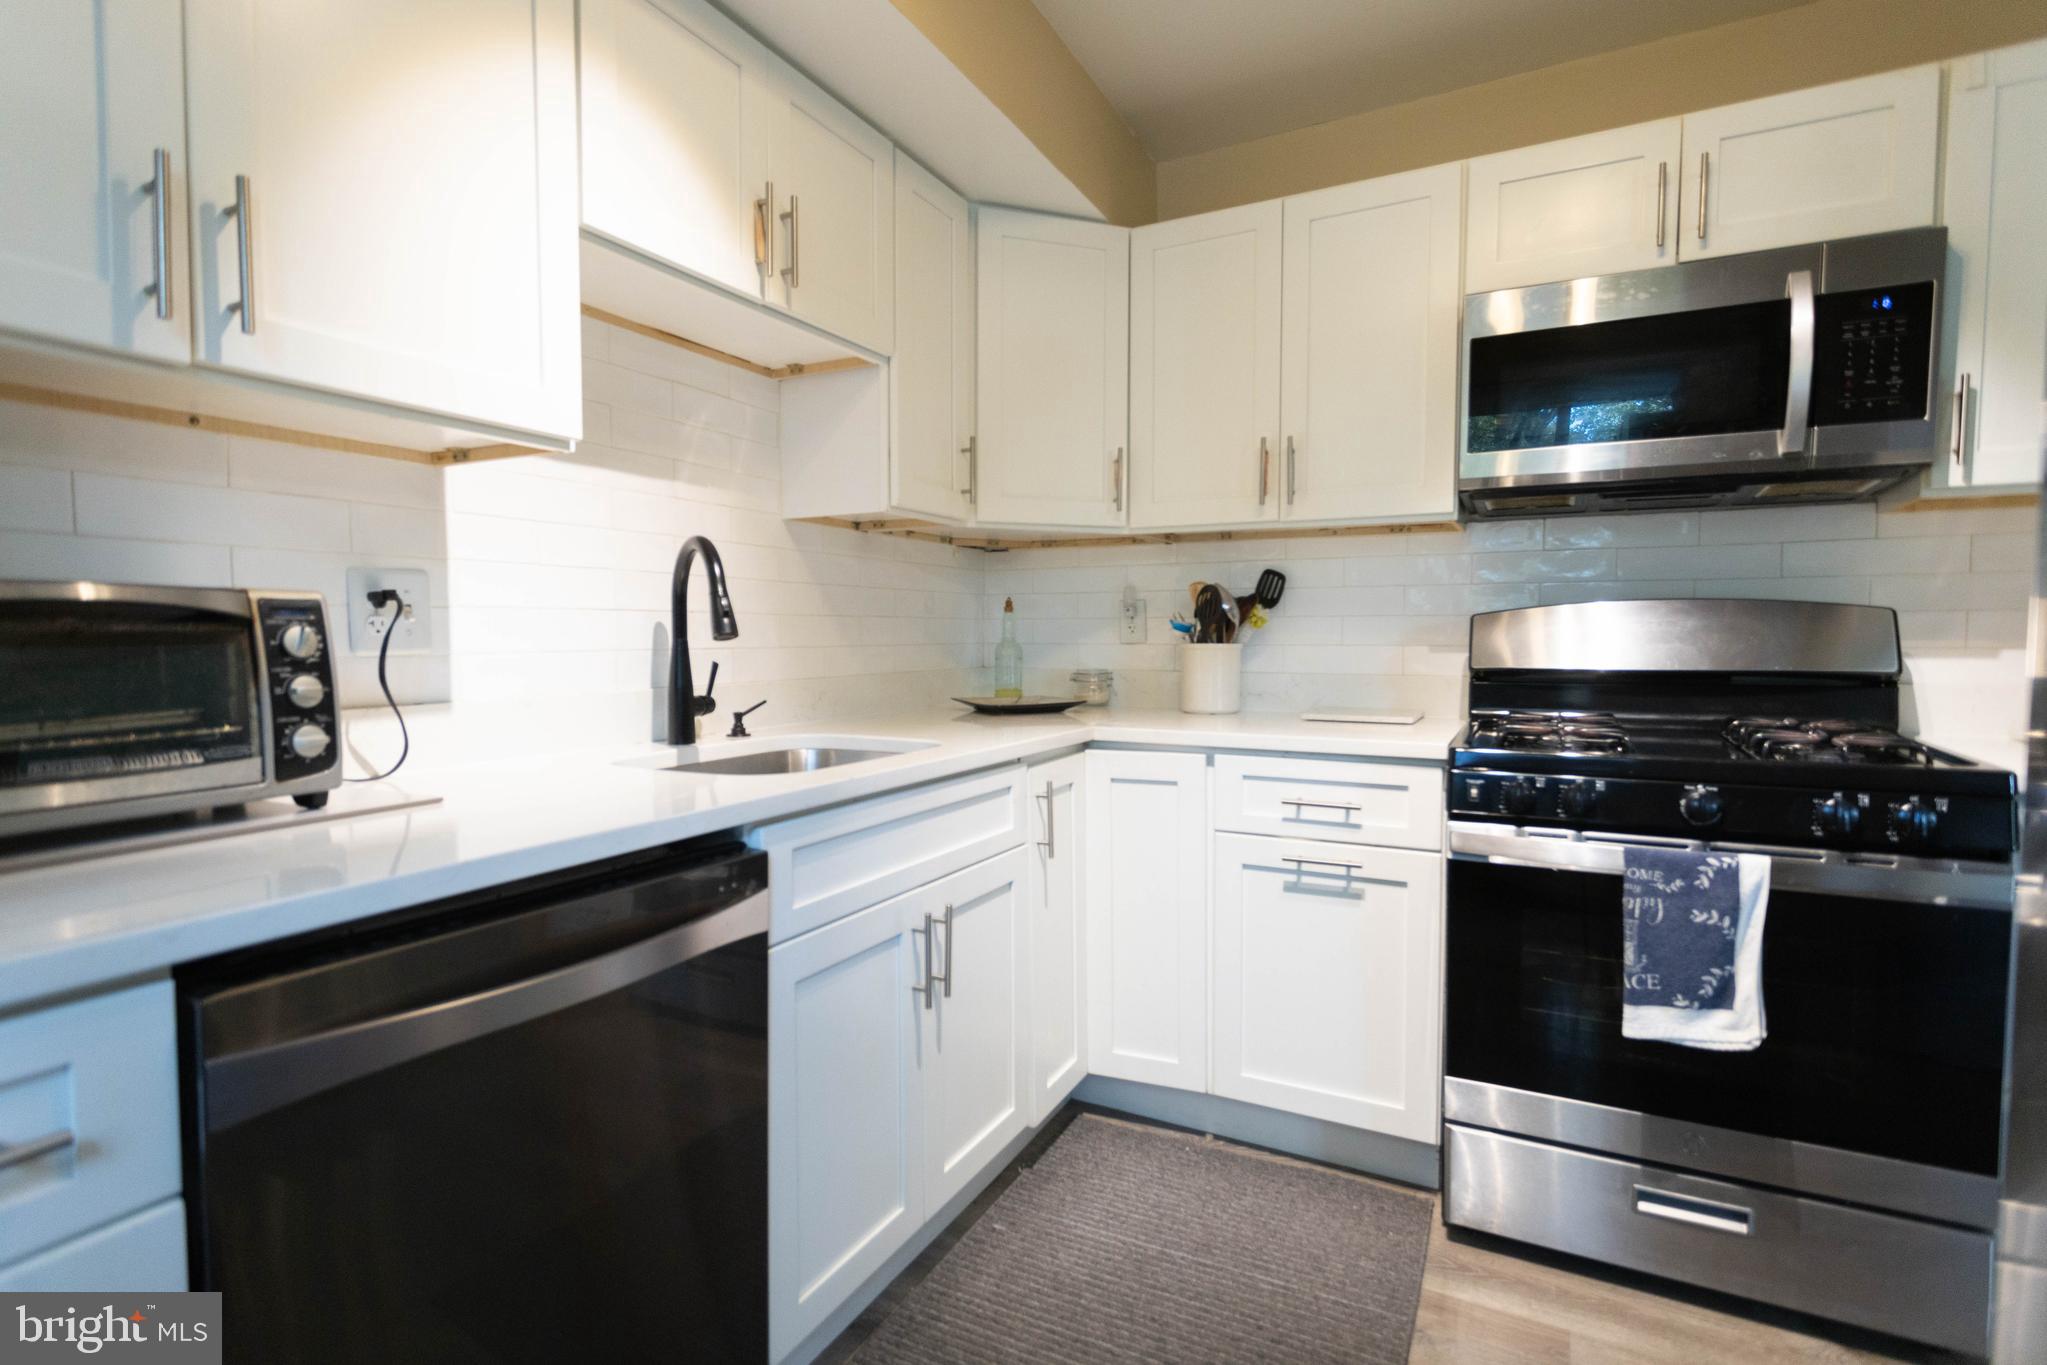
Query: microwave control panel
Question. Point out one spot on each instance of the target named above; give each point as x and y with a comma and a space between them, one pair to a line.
1872, 353
299, 675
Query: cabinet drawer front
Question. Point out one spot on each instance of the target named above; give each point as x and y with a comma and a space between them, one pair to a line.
144, 1253
1354, 801
96, 1082
823, 866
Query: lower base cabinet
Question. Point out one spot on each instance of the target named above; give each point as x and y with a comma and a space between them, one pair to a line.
1056, 931
1326, 961
896, 1060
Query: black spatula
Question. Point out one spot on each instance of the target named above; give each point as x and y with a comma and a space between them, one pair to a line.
1271, 584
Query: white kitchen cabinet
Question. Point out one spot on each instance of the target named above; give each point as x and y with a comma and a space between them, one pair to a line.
846, 1109
677, 102
383, 201
1591, 205
1204, 369
1836, 160
92, 244
1052, 368
1997, 270
1373, 305
1328, 968
1147, 917
1056, 931
931, 370
977, 1049
834, 215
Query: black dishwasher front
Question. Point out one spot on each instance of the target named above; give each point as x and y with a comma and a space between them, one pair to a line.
525, 1125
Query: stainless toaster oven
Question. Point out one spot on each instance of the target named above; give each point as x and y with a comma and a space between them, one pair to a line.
121, 701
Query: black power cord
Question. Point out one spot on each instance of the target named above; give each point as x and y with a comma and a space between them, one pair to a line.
386, 597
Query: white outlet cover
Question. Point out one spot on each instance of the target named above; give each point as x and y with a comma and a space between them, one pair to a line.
367, 624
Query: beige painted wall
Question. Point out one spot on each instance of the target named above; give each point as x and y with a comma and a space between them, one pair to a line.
1825, 41
1007, 49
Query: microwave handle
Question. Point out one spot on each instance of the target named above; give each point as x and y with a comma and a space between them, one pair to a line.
1798, 392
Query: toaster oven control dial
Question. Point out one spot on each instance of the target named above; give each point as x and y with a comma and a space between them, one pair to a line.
305, 691
308, 741
1700, 805
300, 640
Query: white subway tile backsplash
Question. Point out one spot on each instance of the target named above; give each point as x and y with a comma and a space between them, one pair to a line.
1641, 528
1760, 525
275, 467
63, 438
1702, 561
145, 509
30, 555
1542, 566
1921, 554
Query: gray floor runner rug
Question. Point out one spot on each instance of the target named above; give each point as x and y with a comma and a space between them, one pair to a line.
1128, 1243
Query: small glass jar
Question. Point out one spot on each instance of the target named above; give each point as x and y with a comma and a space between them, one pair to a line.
1093, 685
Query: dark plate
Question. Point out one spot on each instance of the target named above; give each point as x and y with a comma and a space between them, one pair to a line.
1022, 706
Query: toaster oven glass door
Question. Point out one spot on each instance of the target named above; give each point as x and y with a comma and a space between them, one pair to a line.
110, 700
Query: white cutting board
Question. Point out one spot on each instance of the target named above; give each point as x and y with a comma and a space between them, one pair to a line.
1365, 717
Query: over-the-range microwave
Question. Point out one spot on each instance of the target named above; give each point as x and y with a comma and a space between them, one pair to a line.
1803, 374
119, 701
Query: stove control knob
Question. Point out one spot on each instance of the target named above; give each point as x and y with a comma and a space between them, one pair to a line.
1913, 822
1700, 805
308, 741
1517, 795
1577, 799
1836, 816
300, 640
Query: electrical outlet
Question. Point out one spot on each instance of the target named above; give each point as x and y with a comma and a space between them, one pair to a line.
367, 624
1133, 616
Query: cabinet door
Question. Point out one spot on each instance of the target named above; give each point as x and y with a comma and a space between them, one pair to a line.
408, 206
1369, 386
89, 100
931, 372
1997, 271
1833, 161
1592, 205
835, 215
1204, 369
1327, 981
845, 1109
1052, 369
975, 1097
676, 103
1057, 933
1147, 898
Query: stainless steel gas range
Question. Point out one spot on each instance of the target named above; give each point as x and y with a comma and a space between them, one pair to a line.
1848, 1166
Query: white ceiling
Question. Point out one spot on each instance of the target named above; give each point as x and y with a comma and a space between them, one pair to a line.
1190, 75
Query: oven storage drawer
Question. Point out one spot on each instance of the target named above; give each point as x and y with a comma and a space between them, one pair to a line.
1352, 801
1919, 1280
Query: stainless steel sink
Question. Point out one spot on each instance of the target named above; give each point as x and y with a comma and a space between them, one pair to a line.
768, 761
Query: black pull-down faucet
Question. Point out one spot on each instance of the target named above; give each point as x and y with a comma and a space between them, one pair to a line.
684, 706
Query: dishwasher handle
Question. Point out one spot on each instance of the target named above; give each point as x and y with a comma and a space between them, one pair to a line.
243, 1085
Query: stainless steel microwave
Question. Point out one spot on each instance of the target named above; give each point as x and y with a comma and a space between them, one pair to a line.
119, 701
1804, 374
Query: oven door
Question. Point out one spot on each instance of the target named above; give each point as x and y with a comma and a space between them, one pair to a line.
123, 695
1879, 1082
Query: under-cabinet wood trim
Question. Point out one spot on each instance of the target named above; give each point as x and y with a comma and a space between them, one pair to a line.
968, 538
1967, 503
850, 362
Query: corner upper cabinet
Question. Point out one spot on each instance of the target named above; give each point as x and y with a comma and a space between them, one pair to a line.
677, 102
383, 202
1368, 392
1052, 368
1592, 205
1997, 272
833, 234
1204, 369
931, 373
1836, 160
92, 243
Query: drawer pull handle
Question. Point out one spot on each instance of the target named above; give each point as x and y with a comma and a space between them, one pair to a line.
1048, 843
1298, 802
1301, 866
21, 1153
1700, 1213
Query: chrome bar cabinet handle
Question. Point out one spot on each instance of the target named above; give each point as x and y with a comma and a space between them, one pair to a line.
791, 271
763, 230
1662, 198
21, 1153
944, 979
1705, 170
160, 230
1290, 471
1301, 866
972, 451
929, 977
1116, 477
245, 240
1264, 467
1048, 843
1298, 802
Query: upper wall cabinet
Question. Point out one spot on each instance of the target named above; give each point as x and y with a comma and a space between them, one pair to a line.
1052, 369
383, 201
1833, 161
676, 107
1592, 205
92, 141
1997, 271
833, 236
932, 371
1204, 377
1368, 396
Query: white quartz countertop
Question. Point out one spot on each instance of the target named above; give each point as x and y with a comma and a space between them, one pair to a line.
75, 926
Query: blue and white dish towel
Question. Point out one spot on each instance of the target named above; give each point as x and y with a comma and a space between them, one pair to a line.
1692, 926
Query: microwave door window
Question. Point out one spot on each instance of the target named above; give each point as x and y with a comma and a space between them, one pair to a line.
92, 690
1714, 372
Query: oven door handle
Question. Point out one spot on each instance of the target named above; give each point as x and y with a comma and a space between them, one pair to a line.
240, 1086
1798, 391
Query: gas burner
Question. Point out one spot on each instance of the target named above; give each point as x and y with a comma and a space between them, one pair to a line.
1880, 746
1551, 732
1825, 741
1787, 743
